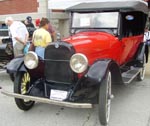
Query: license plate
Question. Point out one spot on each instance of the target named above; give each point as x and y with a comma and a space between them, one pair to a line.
58, 95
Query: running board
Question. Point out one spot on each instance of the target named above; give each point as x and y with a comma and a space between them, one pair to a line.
128, 76
48, 101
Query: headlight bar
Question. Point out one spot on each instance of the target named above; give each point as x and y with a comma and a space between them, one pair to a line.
79, 63
31, 60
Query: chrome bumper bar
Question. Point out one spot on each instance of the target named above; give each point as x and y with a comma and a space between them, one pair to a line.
49, 101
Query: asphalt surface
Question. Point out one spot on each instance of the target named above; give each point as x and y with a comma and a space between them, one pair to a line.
130, 107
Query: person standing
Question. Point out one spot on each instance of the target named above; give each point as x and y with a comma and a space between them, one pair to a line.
30, 27
28, 22
19, 35
41, 38
147, 36
37, 22
50, 29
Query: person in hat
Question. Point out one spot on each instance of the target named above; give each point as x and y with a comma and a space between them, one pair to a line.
37, 22
28, 22
30, 27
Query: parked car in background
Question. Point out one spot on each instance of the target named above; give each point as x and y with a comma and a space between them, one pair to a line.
105, 47
6, 48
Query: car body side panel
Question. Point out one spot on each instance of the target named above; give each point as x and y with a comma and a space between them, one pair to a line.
129, 48
99, 45
143, 49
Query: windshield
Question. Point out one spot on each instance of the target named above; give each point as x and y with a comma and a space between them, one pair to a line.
95, 20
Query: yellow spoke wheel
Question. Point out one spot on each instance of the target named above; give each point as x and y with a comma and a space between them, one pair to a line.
25, 83
22, 84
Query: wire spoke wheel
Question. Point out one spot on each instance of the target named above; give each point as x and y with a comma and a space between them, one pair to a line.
105, 99
21, 86
25, 83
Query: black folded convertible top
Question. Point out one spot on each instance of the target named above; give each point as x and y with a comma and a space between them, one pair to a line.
122, 5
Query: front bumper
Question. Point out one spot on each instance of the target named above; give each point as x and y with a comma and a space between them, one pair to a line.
48, 101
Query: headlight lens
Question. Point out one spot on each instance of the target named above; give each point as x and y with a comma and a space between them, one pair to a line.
79, 63
31, 60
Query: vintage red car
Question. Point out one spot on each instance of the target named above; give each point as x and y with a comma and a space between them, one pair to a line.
105, 46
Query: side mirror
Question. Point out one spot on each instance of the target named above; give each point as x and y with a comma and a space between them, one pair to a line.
58, 36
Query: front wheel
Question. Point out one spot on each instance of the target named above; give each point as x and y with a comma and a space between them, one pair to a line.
21, 86
105, 99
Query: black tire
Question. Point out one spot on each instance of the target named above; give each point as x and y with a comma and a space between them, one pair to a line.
141, 75
21, 85
105, 99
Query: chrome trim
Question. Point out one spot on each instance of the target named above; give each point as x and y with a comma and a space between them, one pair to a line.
48, 101
35, 57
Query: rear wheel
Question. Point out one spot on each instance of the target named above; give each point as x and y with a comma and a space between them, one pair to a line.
21, 86
141, 75
105, 99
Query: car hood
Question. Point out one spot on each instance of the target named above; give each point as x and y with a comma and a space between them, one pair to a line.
94, 45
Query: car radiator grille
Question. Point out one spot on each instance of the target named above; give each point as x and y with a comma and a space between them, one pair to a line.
57, 60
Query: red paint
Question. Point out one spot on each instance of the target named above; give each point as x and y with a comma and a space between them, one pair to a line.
99, 45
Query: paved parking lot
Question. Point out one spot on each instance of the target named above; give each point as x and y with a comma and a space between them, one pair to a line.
130, 107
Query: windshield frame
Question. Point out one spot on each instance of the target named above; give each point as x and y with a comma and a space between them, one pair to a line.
94, 27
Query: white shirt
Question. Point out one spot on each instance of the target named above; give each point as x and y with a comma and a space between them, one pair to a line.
146, 36
18, 29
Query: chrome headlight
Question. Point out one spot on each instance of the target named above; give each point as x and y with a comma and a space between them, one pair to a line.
31, 60
79, 63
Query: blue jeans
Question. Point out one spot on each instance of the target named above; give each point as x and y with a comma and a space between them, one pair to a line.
26, 48
40, 51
